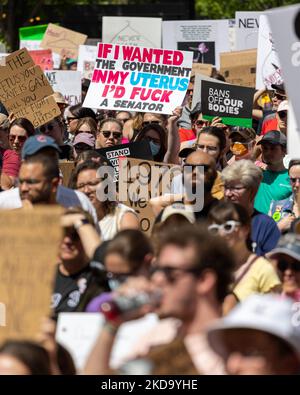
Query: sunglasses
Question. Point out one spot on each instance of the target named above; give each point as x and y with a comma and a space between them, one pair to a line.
69, 119
279, 97
294, 179
13, 138
283, 266
107, 134
172, 273
227, 228
208, 148
193, 167
282, 114
200, 123
46, 127
146, 123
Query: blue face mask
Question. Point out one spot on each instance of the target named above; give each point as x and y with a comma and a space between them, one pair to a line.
154, 148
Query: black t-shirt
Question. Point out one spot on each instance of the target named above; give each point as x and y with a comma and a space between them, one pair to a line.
69, 290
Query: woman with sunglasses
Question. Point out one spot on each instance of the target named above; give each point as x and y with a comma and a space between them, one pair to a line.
284, 212
112, 215
109, 133
253, 274
19, 130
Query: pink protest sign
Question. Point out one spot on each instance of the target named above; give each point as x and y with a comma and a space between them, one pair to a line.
42, 58
139, 79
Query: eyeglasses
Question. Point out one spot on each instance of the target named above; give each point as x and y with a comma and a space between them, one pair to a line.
279, 97
43, 129
90, 184
282, 114
193, 167
227, 228
107, 134
234, 188
295, 179
13, 138
146, 123
172, 273
69, 119
208, 148
200, 123
283, 266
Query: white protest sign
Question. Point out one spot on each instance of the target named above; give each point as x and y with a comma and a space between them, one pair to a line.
288, 46
205, 38
141, 32
68, 83
268, 69
247, 26
139, 79
198, 86
86, 60
78, 332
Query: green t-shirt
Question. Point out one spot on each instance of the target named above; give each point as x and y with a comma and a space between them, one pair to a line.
274, 186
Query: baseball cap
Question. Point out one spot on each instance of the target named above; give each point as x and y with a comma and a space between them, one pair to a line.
178, 208
289, 244
59, 98
264, 312
35, 143
186, 147
280, 88
274, 137
247, 133
283, 106
86, 138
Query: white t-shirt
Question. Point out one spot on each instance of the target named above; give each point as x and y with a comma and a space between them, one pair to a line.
66, 197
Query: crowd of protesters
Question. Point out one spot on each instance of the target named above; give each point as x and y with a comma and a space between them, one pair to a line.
224, 280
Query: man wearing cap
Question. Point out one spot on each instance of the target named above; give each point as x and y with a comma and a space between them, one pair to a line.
287, 259
36, 170
276, 183
259, 336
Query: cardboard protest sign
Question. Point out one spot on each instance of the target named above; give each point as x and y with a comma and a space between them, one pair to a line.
62, 41
31, 36
138, 149
239, 67
247, 26
29, 241
200, 68
198, 86
230, 102
42, 58
268, 70
66, 168
86, 60
288, 47
68, 83
141, 180
25, 91
139, 79
205, 38
124, 30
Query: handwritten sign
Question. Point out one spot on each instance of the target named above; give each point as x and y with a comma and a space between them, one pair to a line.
63, 41
86, 60
68, 83
42, 58
139, 79
29, 242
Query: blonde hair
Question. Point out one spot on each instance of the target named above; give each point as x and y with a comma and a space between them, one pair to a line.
244, 171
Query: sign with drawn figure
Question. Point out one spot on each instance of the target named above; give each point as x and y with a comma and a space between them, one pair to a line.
268, 69
247, 26
86, 60
139, 79
206, 39
141, 32
42, 58
288, 46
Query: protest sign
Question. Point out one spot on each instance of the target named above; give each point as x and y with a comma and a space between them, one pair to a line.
138, 149
139, 79
66, 167
205, 38
232, 103
31, 36
288, 47
197, 87
29, 241
141, 180
86, 60
202, 68
239, 67
42, 58
268, 69
247, 26
25, 91
124, 30
2, 58
293, 134
68, 83
62, 41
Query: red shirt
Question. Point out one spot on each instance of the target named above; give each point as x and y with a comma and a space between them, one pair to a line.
186, 134
11, 163
268, 125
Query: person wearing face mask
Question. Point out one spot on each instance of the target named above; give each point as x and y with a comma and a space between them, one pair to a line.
242, 144
253, 274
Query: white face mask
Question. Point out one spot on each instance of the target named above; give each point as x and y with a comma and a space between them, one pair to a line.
155, 148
